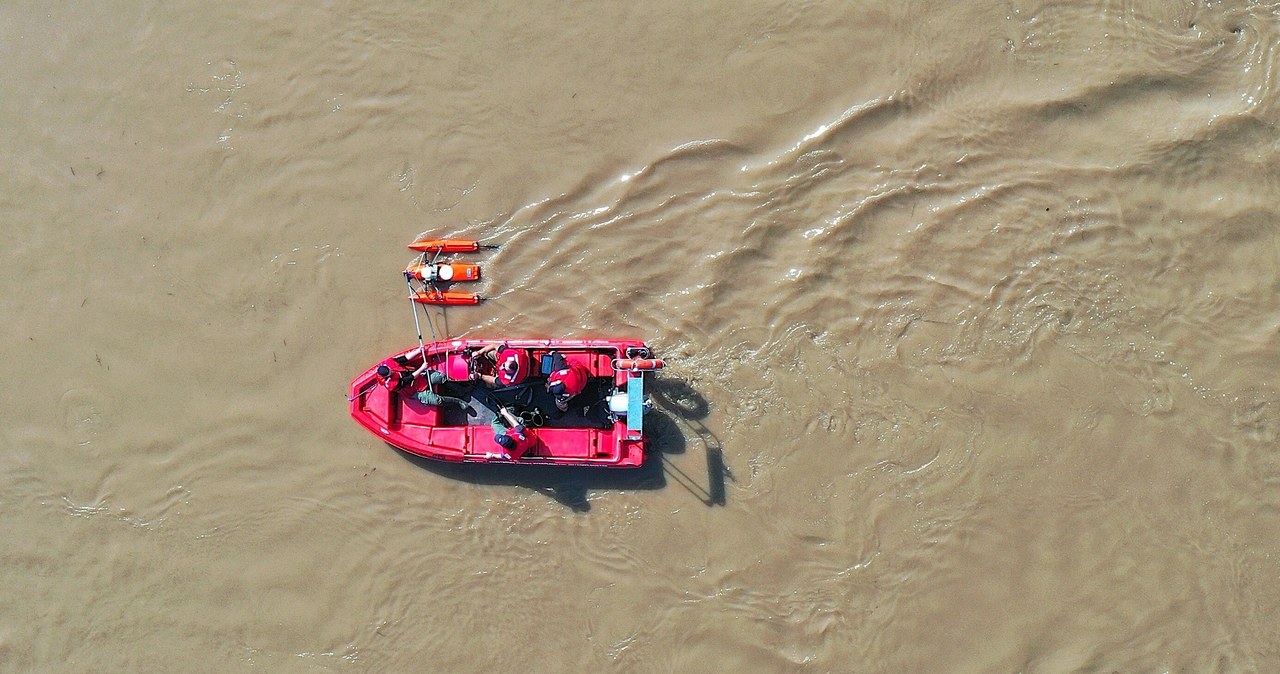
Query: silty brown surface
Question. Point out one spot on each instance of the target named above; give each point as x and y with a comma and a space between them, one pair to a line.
970, 311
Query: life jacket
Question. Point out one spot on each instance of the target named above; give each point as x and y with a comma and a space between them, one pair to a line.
513, 365
524, 442
573, 377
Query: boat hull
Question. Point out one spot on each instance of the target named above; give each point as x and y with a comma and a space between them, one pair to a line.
588, 434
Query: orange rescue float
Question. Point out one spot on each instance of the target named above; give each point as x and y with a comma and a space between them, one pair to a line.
445, 297
447, 246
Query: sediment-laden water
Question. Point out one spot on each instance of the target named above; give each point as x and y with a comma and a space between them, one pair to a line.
971, 313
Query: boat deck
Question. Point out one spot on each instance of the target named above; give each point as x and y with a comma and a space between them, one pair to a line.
585, 434
588, 409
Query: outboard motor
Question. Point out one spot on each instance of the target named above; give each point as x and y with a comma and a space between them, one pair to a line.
618, 404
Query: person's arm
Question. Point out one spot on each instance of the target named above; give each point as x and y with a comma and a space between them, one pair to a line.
484, 352
511, 419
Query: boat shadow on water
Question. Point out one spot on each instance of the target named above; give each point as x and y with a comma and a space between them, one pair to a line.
676, 405
682, 406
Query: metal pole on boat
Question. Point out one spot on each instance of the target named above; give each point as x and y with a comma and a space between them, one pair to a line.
421, 346
363, 390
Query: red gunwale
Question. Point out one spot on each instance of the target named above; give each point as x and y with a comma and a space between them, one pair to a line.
403, 422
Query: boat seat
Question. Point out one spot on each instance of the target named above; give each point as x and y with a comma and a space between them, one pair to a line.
597, 364
381, 404
414, 413
576, 443
457, 367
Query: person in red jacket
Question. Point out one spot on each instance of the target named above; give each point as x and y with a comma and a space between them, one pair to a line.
392, 374
512, 437
393, 377
511, 366
566, 381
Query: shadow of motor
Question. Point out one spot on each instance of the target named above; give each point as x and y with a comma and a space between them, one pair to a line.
684, 406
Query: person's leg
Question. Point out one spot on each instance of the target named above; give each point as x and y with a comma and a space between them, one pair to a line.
429, 397
464, 405
437, 378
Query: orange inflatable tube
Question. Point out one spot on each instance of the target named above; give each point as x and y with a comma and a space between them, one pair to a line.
446, 246
446, 297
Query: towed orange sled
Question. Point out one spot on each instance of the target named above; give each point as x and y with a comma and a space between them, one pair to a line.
448, 272
425, 245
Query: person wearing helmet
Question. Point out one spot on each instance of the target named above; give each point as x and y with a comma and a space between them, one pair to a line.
394, 378
511, 436
510, 366
401, 380
566, 381
394, 372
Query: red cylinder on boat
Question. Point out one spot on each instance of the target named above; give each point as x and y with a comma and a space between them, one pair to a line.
634, 364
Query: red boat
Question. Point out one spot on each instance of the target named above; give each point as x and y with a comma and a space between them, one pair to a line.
602, 426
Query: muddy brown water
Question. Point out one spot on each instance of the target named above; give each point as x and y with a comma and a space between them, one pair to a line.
971, 313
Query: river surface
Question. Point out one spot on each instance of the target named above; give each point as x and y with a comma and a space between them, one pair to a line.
971, 313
